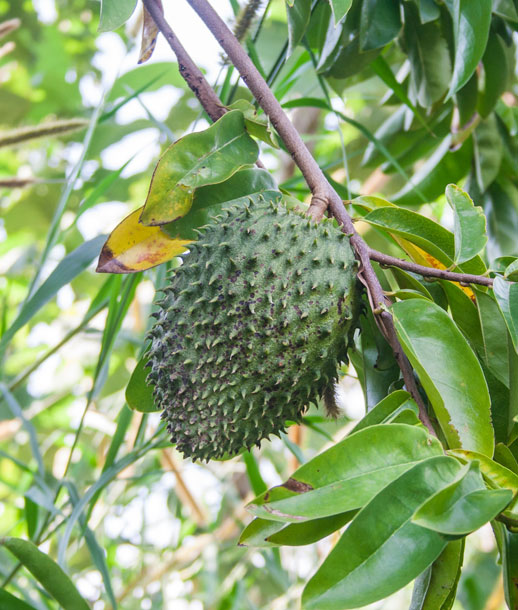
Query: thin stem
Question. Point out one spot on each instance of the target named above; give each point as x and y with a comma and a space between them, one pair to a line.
188, 69
441, 274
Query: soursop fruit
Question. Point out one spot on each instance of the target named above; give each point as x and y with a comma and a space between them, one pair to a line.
253, 327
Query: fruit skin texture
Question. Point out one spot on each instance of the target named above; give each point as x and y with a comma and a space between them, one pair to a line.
253, 327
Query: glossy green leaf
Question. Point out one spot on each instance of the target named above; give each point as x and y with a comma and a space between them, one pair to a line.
496, 475
465, 315
298, 13
340, 9
348, 475
510, 568
435, 588
382, 550
469, 224
506, 294
115, 13
449, 372
423, 232
198, 159
70, 267
464, 505
504, 456
139, 395
267, 533
494, 352
471, 23
380, 22
47, 572
10, 602
384, 410
511, 271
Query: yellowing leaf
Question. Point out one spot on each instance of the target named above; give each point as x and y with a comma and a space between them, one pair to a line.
133, 247
149, 34
419, 256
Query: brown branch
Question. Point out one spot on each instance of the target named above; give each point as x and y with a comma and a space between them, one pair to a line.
441, 274
188, 69
320, 188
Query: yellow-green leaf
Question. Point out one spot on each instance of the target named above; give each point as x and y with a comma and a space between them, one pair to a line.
133, 247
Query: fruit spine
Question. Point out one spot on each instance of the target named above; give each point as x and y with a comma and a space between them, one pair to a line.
253, 327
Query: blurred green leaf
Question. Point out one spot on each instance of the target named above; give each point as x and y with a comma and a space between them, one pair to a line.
47, 573
340, 9
471, 23
506, 295
115, 13
380, 23
298, 20
10, 602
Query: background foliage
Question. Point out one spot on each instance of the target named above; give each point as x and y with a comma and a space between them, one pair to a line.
400, 99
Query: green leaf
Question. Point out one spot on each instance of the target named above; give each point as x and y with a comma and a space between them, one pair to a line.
428, 10
423, 232
298, 14
496, 475
10, 602
510, 568
511, 271
449, 372
382, 550
198, 159
494, 352
469, 224
115, 13
471, 23
340, 9
257, 126
464, 506
444, 166
429, 58
348, 475
496, 74
266, 533
384, 410
487, 152
506, 294
139, 395
435, 588
70, 267
380, 22
47, 572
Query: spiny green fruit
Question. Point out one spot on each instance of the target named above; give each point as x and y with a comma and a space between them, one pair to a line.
253, 327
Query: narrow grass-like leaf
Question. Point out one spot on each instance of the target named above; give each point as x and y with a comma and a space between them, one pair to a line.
10, 602
452, 379
47, 572
70, 267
